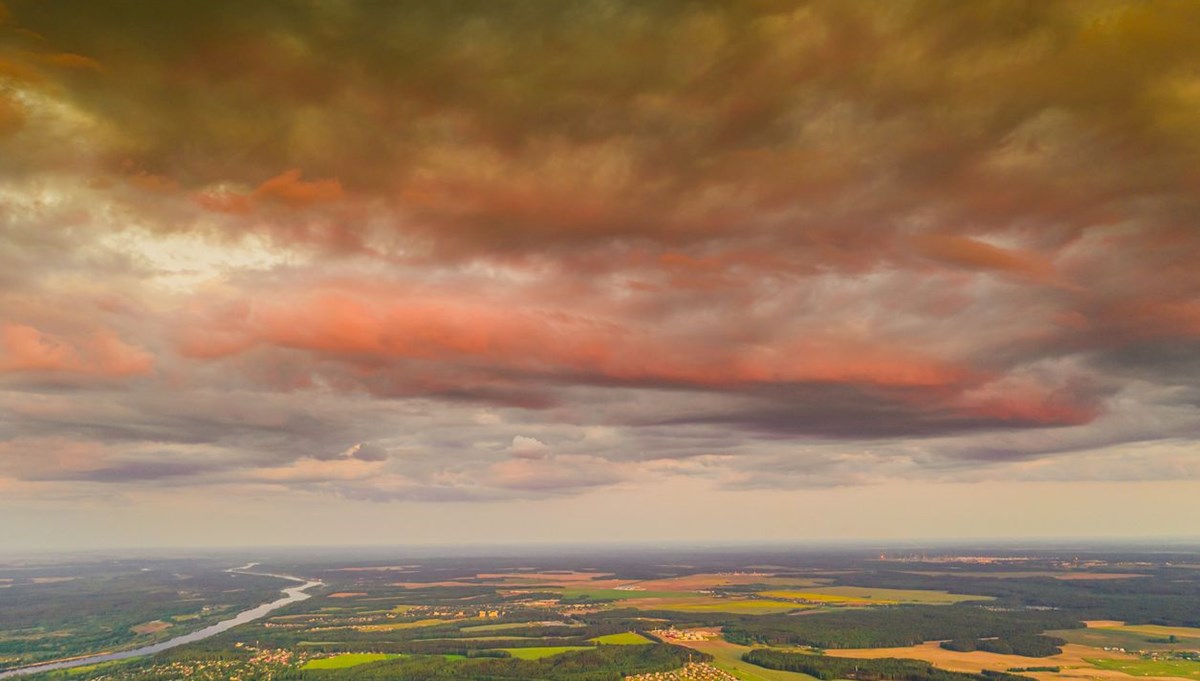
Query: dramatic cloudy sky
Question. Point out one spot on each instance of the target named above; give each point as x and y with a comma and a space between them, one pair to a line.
364, 272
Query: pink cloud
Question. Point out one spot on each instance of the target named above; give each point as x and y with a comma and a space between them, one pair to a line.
25, 349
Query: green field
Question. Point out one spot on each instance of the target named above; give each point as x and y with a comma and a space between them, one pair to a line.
1143, 637
346, 660
626, 639
539, 653
868, 595
1184, 669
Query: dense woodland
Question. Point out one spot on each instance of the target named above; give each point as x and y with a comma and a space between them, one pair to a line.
1165, 595
1029, 646
896, 626
886, 669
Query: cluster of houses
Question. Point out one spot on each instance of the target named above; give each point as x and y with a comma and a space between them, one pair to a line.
673, 634
696, 671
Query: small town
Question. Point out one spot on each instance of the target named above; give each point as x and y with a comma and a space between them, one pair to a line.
696, 671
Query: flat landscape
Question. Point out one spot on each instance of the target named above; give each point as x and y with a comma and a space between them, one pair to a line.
592, 618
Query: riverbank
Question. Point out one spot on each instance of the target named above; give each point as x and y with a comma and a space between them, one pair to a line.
294, 594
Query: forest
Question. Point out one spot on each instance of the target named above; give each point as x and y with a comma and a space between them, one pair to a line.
886, 669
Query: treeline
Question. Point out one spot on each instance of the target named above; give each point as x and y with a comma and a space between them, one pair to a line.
1029, 646
885, 669
895, 626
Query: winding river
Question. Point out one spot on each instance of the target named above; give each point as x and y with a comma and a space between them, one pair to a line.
293, 595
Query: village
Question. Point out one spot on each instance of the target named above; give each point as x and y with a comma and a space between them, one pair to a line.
695, 671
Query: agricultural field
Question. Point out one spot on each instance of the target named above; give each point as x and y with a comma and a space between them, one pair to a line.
539, 653
628, 638
1134, 637
1072, 657
1183, 669
856, 595
346, 660
701, 604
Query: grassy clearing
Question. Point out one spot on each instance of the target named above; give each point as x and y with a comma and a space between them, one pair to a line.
539, 653
1184, 669
346, 660
626, 639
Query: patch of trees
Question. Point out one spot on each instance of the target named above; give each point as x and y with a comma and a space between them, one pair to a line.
884, 669
1035, 645
894, 626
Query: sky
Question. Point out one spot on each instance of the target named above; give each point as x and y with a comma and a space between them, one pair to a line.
325, 272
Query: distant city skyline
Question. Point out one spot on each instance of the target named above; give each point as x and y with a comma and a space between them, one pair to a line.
349, 273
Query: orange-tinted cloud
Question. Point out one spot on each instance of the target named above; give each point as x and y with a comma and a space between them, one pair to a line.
288, 188
973, 254
25, 349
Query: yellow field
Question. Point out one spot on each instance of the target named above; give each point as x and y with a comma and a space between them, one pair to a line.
1149, 629
1112, 634
1075, 661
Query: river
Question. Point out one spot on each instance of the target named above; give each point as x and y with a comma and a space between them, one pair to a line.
293, 595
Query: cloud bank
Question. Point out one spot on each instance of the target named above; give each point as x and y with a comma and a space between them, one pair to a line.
502, 252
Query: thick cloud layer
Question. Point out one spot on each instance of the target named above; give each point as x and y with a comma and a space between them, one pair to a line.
494, 251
